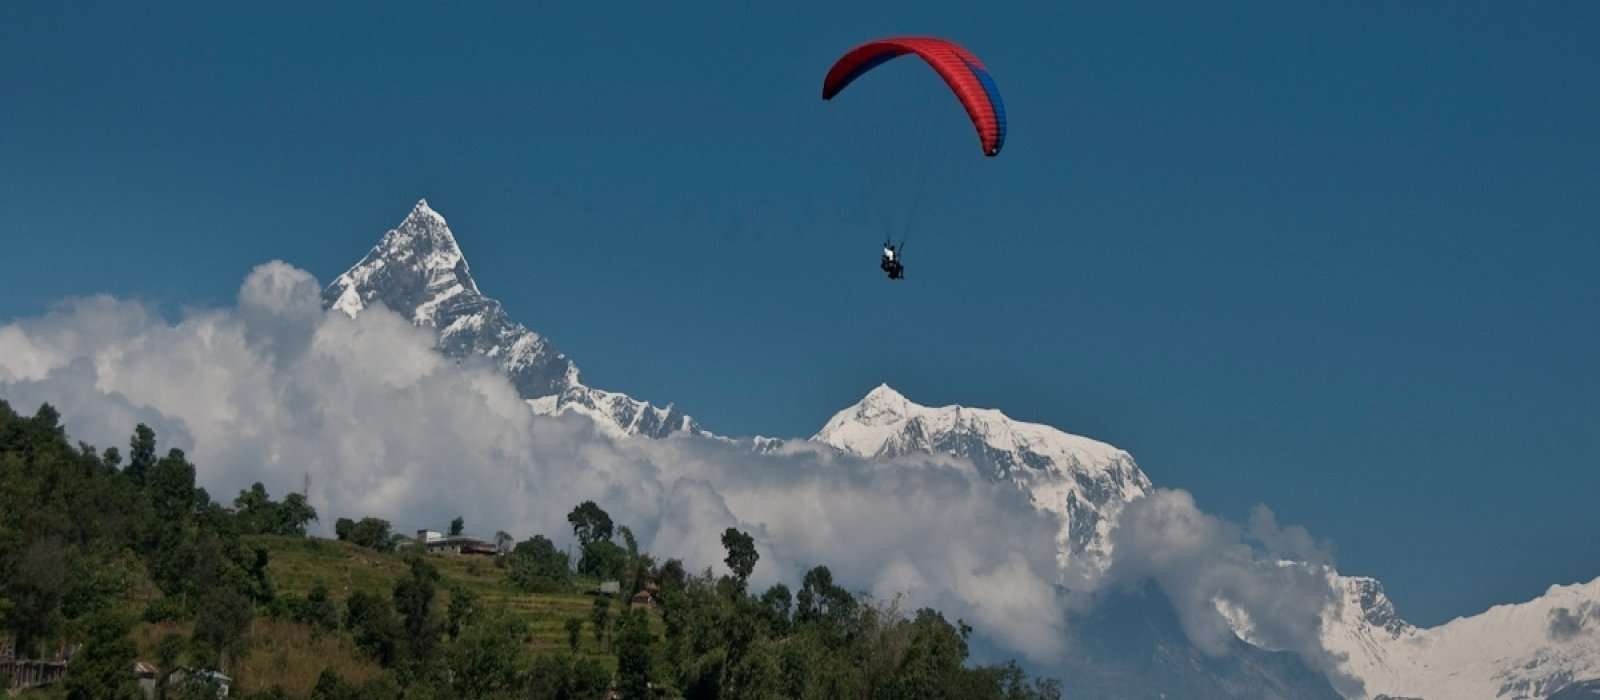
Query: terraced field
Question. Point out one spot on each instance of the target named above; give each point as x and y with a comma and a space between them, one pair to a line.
296, 564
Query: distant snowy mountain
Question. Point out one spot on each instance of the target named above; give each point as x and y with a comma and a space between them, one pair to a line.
1510, 652
1548, 647
1085, 481
417, 270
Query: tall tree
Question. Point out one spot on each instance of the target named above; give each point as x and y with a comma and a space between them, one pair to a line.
590, 523
742, 555
457, 526
141, 453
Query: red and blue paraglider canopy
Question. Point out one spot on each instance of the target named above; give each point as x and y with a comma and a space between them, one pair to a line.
961, 70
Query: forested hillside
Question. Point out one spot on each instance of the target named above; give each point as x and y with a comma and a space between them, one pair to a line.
113, 558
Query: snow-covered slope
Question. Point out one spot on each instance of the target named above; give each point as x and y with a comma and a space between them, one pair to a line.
1085, 481
417, 270
1508, 652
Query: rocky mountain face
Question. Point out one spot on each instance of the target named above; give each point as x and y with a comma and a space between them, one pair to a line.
418, 270
1130, 647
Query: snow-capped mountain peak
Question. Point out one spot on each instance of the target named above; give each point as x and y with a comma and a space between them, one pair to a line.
1084, 481
1517, 651
885, 423
417, 269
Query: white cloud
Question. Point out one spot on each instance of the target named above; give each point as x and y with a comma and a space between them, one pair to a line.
274, 389
1268, 581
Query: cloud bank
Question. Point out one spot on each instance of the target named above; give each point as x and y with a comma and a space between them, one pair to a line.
275, 389
1264, 583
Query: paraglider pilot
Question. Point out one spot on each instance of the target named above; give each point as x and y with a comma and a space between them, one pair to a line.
890, 263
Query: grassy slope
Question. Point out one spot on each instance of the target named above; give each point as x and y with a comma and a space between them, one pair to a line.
292, 655
298, 563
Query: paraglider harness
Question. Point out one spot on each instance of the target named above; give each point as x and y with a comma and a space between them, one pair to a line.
890, 261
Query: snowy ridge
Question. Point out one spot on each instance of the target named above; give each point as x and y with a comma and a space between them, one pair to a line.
418, 270
1522, 650
1531, 650
1084, 481
617, 414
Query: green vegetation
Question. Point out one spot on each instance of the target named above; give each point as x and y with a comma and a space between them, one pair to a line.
137, 562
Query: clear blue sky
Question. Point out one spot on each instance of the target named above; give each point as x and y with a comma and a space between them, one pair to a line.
1340, 260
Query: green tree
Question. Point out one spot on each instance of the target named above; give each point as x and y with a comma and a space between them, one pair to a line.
603, 559
600, 614
553, 677
170, 485
487, 658
220, 620
294, 514
318, 609
775, 604
742, 556
457, 526
372, 622
331, 687
372, 533
590, 523
631, 579
671, 576
758, 674
168, 651
463, 608
821, 602
538, 567
141, 453
102, 668
574, 633
343, 528
413, 600
633, 654
36, 589
255, 509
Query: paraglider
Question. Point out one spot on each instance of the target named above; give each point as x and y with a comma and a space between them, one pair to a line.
962, 71
966, 76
